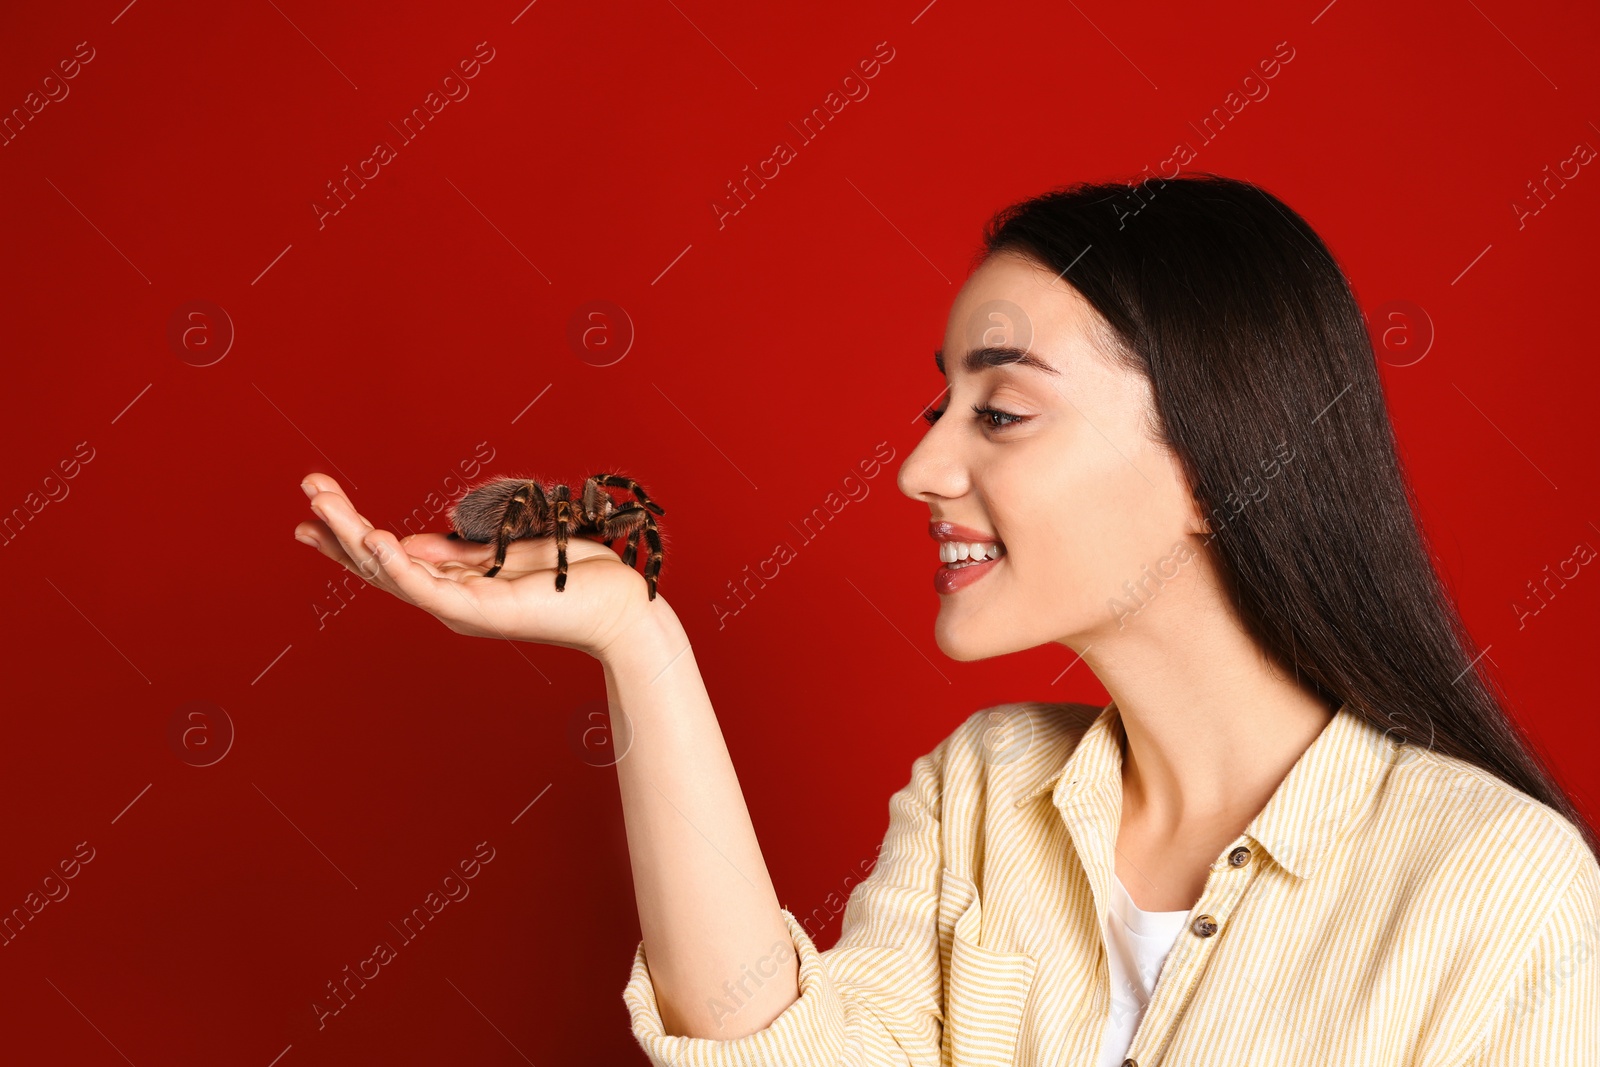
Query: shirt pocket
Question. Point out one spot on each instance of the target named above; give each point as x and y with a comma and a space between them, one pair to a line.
985, 988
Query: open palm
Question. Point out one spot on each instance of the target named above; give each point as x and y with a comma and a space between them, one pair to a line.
445, 577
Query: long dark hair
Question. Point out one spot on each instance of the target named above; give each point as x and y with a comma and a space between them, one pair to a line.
1255, 347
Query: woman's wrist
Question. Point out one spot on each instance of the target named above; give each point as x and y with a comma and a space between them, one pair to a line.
647, 641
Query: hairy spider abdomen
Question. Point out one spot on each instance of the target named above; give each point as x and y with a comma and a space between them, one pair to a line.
478, 515
503, 510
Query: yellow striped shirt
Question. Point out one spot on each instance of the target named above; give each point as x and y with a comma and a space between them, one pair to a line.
1389, 905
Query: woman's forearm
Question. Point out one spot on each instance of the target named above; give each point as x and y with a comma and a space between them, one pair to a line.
720, 957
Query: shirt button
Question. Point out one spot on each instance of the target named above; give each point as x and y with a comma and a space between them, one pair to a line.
1130, 1063
1203, 926
1239, 857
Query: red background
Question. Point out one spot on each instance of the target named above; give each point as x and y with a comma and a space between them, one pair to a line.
374, 749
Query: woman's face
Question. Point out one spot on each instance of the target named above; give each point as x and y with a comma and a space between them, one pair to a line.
1082, 500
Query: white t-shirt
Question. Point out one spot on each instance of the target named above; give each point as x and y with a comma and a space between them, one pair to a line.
1137, 943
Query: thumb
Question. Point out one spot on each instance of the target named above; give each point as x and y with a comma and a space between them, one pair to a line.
444, 548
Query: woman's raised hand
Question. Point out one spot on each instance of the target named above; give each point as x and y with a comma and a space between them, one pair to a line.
603, 600
706, 900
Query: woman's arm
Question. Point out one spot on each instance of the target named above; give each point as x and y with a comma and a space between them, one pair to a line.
707, 909
730, 978
876, 998
1550, 1011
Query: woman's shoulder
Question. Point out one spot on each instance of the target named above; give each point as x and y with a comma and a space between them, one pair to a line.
1466, 801
1024, 721
1480, 833
1495, 885
1014, 747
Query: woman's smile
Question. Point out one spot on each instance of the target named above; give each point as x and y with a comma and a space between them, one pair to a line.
965, 554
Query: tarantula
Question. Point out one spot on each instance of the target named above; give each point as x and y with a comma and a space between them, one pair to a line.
509, 509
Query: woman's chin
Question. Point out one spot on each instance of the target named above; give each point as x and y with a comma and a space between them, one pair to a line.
967, 641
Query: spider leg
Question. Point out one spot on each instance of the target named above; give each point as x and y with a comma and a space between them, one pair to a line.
596, 504
643, 528
624, 482
637, 524
595, 510
625, 522
522, 510
652, 567
561, 516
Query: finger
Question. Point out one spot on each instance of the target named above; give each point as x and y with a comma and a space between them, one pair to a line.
415, 580
441, 548
348, 527
429, 567
319, 482
324, 540
326, 497
322, 490
317, 534
320, 533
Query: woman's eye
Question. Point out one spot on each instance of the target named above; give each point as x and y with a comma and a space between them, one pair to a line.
982, 413
992, 413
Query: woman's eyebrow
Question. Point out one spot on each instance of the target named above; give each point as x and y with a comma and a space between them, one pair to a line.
996, 356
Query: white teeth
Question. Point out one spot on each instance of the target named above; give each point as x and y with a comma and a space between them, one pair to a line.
967, 551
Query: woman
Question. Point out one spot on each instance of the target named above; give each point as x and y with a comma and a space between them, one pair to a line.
1304, 810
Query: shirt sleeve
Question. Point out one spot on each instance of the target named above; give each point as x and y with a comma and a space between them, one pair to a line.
1551, 1012
875, 999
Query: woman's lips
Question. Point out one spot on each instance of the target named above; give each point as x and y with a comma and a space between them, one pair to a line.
940, 530
948, 579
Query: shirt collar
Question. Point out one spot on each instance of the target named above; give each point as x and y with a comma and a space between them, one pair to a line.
1302, 818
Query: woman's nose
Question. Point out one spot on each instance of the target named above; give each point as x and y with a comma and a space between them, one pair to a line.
933, 469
